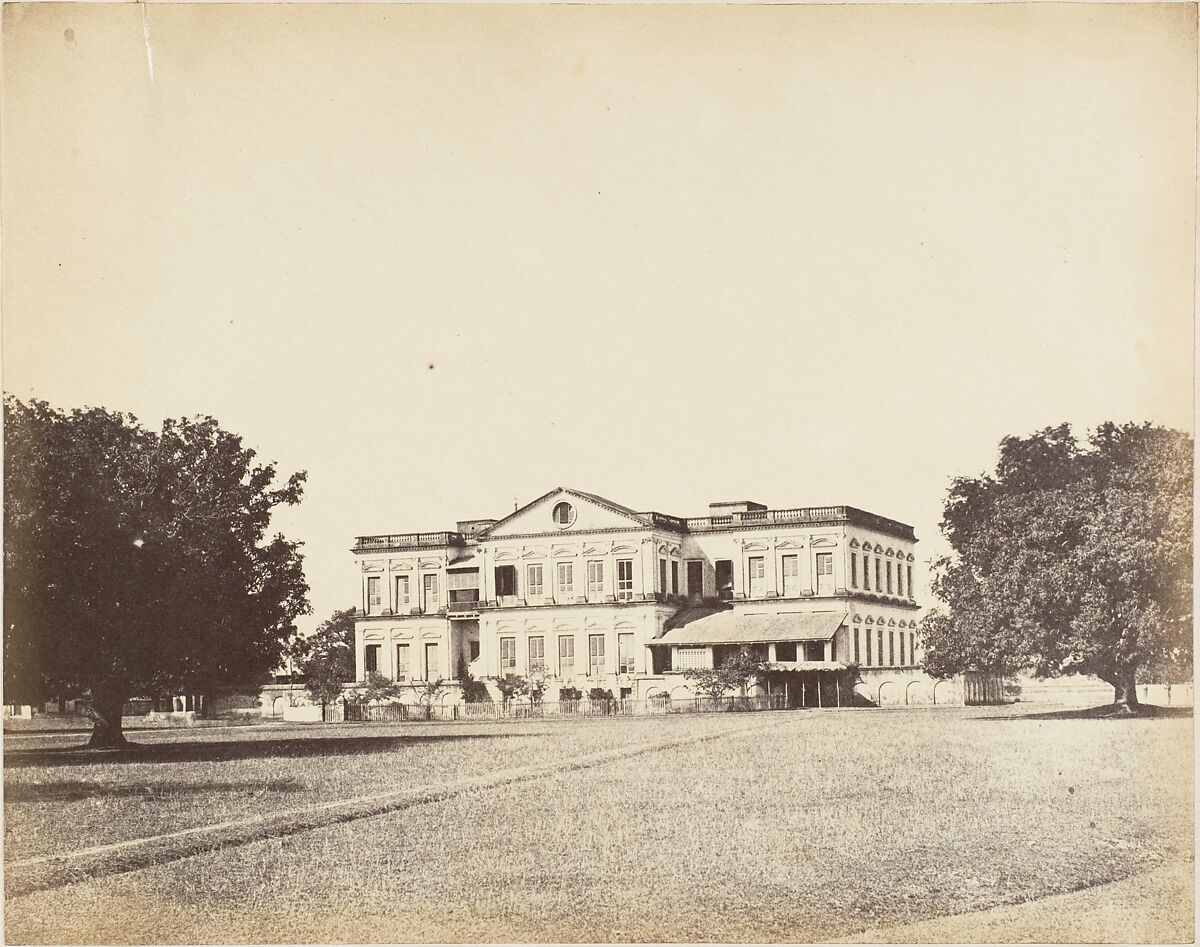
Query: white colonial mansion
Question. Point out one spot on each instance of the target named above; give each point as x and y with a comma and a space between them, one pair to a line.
588, 593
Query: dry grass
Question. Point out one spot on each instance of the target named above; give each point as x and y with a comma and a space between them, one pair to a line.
820, 826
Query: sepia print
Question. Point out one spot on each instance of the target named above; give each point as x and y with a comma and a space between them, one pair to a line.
598, 473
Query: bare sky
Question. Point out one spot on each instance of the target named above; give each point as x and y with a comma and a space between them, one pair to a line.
445, 257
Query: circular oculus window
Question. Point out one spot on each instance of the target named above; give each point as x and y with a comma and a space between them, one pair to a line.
564, 514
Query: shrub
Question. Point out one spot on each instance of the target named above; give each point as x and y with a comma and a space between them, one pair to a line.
599, 693
570, 693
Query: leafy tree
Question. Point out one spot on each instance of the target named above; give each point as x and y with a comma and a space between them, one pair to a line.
137, 562
735, 673
427, 693
375, 690
474, 692
536, 690
326, 657
510, 686
570, 693
1070, 558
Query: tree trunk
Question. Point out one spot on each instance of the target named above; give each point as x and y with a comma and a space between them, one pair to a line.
105, 714
1125, 696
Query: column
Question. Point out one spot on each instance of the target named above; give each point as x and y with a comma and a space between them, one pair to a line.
772, 570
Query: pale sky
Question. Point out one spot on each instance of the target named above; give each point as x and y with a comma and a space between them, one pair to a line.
445, 257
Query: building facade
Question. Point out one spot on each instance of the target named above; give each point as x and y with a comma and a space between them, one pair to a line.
585, 592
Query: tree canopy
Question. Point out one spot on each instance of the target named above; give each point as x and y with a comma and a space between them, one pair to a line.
137, 562
1070, 558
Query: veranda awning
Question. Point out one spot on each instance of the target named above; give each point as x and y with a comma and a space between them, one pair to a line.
733, 628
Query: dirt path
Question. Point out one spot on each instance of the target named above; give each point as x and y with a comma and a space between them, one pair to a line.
51, 871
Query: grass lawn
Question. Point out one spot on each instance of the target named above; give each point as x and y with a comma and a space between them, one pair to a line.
812, 826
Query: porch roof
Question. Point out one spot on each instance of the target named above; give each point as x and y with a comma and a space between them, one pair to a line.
805, 666
729, 627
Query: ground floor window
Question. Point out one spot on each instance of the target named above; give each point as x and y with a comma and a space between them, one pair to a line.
814, 651
537, 654
857, 658
868, 647
624, 654
402, 662
595, 654
879, 641
371, 659
785, 651
432, 671
508, 655
688, 658
566, 655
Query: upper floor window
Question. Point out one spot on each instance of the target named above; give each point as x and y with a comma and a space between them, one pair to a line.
625, 579
402, 590
878, 570
791, 575
533, 585
866, 572
889, 578
566, 577
910, 588
857, 657
879, 641
374, 600
506, 580
564, 514
853, 571
662, 575
595, 577
758, 576
899, 579
674, 577
892, 648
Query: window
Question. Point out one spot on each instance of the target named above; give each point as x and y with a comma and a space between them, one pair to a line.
566, 577
473, 647
533, 581
595, 574
432, 670
857, 656
695, 577
595, 654
625, 580
662, 575
791, 575
899, 580
688, 658
824, 573
506, 581
910, 588
724, 571
814, 651
889, 578
866, 572
566, 655
624, 654
564, 514
892, 648
912, 648
785, 651
853, 571
508, 656
879, 642
402, 592
758, 576
674, 577
537, 654
878, 569
402, 662
371, 659
901, 643
431, 592
868, 664
373, 598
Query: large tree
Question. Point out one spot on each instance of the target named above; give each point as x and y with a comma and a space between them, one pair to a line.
137, 562
1070, 558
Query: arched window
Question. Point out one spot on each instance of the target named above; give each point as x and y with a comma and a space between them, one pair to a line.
564, 514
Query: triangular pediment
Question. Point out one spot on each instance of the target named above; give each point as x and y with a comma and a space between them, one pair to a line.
584, 512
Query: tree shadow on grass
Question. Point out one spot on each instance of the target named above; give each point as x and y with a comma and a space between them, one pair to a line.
1103, 712
194, 751
76, 791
